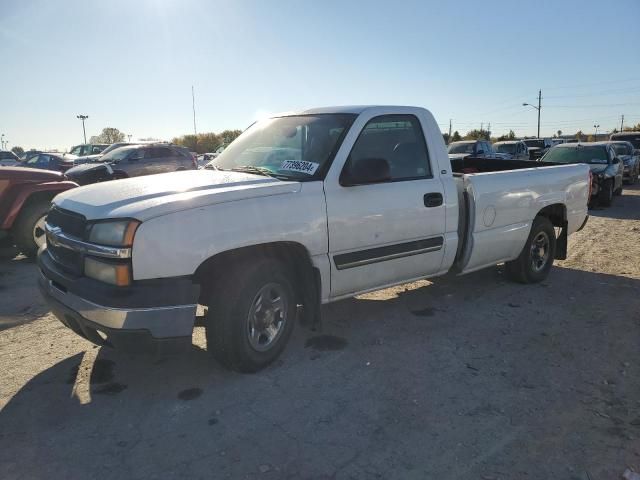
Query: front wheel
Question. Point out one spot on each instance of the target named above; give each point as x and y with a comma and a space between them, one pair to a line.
251, 315
605, 197
28, 231
536, 259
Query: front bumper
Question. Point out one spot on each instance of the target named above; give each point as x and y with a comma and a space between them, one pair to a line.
124, 322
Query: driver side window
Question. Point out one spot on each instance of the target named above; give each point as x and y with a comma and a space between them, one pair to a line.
396, 139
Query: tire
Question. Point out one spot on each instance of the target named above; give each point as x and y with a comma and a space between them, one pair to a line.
535, 261
233, 315
28, 230
606, 195
618, 192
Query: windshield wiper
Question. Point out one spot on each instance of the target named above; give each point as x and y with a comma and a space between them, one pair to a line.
258, 171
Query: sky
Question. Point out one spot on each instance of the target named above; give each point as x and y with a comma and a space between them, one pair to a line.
130, 64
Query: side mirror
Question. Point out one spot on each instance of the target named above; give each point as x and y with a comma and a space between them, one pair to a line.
616, 161
480, 152
365, 171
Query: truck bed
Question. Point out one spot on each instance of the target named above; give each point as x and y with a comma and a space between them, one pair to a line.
498, 200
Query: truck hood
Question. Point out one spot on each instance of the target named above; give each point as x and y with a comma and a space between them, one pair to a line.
22, 174
151, 196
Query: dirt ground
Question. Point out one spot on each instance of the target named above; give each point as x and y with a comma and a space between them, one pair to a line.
459, 378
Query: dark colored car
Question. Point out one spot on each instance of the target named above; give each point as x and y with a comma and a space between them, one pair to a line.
30, 154
631, 137
630, 158
134, 161
537, 147
60, 162
606, 167
470, 148
8, 159
25, 196
88, 149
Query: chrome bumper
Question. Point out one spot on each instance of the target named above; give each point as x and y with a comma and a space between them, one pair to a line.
160, 322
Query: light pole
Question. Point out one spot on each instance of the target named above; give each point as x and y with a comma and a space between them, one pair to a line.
538, 108
129, 137
2, 141
595, 137
83, 118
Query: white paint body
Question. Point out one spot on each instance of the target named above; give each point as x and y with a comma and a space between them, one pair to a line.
188, 217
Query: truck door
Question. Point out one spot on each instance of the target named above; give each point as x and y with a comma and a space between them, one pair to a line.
389, 231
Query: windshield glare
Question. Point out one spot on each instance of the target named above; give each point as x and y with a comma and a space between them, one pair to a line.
506, 148
294, 147
593, 155
117, 154
461, 148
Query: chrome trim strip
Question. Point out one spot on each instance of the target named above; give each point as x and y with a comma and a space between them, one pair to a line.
57, 238
392, 256
161, 322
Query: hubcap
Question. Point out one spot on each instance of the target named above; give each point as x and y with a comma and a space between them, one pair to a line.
267, 317
540, 251
39, 237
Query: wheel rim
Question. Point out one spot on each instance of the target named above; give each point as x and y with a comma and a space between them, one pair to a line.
39, 236
267, 317
540, 251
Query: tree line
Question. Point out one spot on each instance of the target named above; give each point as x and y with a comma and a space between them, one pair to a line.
207, 142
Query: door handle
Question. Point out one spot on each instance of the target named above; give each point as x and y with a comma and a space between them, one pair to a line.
433, 199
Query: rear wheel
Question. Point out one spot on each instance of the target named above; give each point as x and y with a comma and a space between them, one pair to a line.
251, 315
28, 231
536, 259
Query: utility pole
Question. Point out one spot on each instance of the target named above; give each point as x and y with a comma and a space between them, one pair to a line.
193, 104
84, 132
450, 130
539, 107
2, 142
622, 123
129, 136
481, 125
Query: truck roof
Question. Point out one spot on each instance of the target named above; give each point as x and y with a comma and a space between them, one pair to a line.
354, 109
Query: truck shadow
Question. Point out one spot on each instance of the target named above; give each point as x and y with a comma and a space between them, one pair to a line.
624, 207
139, 416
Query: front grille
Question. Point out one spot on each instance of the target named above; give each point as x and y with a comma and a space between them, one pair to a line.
71, 223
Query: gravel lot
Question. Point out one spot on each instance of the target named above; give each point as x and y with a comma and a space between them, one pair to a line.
459, 378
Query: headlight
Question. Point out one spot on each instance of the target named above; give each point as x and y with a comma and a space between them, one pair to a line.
115, 273
117, 233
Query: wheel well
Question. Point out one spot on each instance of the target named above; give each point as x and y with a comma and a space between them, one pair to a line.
557, 214
306, 279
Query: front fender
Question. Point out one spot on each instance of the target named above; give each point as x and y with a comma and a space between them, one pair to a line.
25, 191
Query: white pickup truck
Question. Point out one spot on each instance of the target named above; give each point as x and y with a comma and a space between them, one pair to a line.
301, 210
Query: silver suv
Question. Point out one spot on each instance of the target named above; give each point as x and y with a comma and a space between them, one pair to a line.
133, 161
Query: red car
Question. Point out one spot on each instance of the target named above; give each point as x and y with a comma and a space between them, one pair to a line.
25, 196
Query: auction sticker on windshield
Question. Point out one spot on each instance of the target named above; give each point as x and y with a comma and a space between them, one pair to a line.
300, 166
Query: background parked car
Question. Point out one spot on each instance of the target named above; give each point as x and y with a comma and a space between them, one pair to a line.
134, 161
537, 147
88, 149
8, 159
606, 167
631, 137
29, 154
51, 161
630, 158
25, 197
470, 148
512, 150
96, 156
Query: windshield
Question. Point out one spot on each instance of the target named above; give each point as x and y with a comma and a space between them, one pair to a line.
621, 149
113, 146
293, 147
461, 148
505, 147
76, 150
580, 154
535, 143
116, 154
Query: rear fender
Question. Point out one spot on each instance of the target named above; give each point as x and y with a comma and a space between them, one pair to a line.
25, 193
